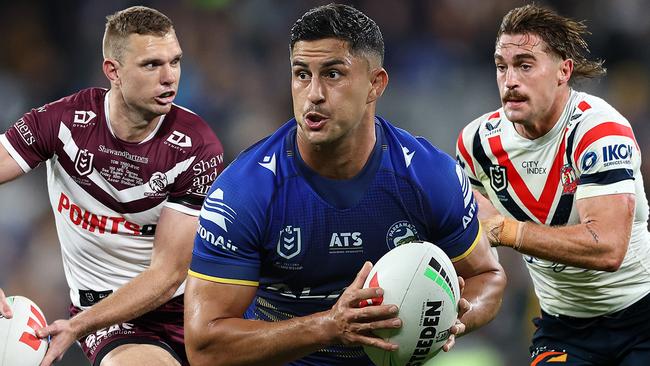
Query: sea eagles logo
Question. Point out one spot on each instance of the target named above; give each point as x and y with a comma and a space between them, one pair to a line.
569, 180
83, 163
498, 178
289, 243
401, 232
158, 182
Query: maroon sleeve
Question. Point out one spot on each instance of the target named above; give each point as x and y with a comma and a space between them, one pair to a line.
193, 184
32, 139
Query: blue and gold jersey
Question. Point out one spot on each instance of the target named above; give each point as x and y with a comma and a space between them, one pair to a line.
270, 221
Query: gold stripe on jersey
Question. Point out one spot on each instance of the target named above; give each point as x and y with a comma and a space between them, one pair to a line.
229, 281
471, 248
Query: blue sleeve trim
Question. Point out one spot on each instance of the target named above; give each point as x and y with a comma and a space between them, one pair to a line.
607, 177
223, 270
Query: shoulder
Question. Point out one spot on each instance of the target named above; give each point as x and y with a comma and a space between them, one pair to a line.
80, 107
188, 129
418, 159
259, 169
592, 112
487, 124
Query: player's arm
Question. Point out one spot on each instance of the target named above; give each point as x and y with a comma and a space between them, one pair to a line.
484, 284
599, 242
153, 287
9, 168
216, 334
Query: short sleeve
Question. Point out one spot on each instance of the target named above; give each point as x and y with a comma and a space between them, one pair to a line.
32, 139
454, 222
189, 190
226, 246
606, 157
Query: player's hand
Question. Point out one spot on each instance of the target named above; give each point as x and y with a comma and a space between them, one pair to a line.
491, 219
62, 336
352, 324
458, 328
5, 309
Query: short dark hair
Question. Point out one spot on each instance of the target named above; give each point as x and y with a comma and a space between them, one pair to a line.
341, 22
563, 36
133, 20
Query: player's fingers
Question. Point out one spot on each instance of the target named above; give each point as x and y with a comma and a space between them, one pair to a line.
5, 309
367, 328
49, 330
463, 307
50, 356
458, 328
361, 276
373, 313
461, 284
449, 344
373, 341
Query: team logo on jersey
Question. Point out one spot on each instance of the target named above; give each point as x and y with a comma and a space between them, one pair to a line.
179, 139
401, 232
569, 179
498, 178
589, 159
83, 163
157, 183
83, 117
289, 243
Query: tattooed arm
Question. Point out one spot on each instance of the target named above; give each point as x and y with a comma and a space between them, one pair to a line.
599, 242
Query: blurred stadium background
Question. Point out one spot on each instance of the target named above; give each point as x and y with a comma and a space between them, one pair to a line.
236, 76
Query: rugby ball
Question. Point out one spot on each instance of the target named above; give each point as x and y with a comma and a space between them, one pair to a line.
420, 279
19, 345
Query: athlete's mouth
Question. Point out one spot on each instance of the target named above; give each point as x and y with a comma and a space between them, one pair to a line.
166, 97
315, 120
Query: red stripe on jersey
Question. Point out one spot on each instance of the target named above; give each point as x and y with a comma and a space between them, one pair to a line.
600, 131
465, 153
583, 106
542, 207
494, 115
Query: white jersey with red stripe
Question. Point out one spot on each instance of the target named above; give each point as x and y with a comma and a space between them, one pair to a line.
107, 194
591, 151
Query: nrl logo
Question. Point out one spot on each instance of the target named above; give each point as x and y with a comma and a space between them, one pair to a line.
498, 178
289, 243
83, 163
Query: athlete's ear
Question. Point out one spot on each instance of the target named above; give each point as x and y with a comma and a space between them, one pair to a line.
565, 71
110, 68
379, 80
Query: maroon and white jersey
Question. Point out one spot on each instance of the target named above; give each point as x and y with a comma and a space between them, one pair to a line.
591, 151
107, 194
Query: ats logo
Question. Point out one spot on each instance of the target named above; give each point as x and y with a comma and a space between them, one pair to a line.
346, 243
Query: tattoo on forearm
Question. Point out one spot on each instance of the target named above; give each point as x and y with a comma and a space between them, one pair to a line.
593, 233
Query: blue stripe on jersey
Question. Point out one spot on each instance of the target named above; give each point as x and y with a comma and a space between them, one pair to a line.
607, 177
509, 204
